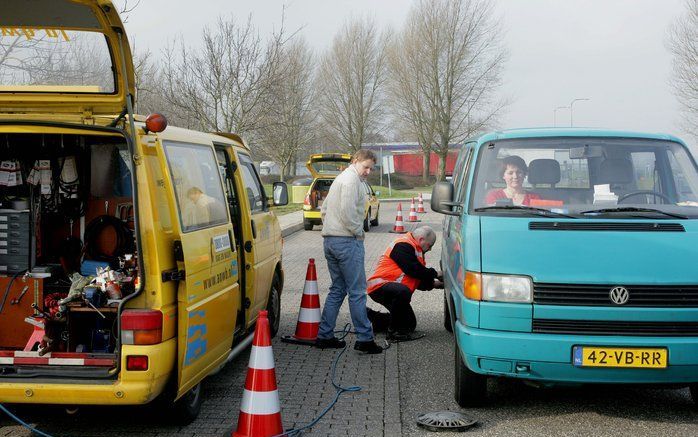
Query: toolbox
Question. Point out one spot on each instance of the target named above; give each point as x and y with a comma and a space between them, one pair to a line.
17, 242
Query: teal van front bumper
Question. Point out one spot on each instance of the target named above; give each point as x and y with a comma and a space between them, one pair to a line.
548, 358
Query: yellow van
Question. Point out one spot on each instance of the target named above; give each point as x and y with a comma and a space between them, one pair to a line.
134, 257
324, 167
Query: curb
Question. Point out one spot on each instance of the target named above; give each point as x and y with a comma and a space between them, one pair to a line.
285, 232
407, 199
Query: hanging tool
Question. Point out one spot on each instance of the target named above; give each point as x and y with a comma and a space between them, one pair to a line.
16, 300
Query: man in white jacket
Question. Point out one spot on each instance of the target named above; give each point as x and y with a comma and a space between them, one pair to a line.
342, 229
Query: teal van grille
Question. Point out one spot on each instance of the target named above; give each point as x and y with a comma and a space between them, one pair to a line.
614, 327
599, 295
606, 226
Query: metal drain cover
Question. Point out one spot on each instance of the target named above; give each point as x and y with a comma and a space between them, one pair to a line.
445, 421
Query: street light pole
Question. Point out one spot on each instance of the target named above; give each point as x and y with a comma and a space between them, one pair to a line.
555, 114
571, 109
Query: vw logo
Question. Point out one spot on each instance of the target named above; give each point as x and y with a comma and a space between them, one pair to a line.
619, 295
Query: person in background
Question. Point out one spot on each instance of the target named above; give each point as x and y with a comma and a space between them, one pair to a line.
343, 240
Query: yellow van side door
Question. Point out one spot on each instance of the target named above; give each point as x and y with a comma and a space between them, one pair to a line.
260, 245
208, 295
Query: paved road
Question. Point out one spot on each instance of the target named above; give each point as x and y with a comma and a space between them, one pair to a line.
409, 379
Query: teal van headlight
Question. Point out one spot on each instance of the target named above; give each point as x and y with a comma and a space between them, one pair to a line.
507, 288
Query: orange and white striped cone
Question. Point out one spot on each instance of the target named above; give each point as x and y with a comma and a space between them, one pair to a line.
399, 227
309, 314
413, 214
420, 205
260, 410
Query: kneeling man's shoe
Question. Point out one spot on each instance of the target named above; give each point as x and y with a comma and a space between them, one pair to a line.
369, 347
330, 343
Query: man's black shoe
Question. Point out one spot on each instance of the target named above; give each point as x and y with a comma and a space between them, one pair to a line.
330, 343
379, 320
369, 347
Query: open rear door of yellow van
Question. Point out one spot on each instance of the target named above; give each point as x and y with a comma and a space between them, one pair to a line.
63, 56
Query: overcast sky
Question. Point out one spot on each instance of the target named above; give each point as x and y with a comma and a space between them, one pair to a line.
612, 52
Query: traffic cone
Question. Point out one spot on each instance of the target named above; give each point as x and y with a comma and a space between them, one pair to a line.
413, 214
420, 205
399, 228
309, 314
260, 410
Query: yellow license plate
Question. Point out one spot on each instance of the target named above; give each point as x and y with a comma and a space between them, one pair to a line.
646, 358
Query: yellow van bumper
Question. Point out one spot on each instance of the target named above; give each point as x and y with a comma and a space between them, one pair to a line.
313, 215
130, 388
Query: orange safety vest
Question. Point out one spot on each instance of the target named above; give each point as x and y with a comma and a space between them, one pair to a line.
389, 271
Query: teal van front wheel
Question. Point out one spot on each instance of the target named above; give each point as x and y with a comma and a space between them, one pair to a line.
470, 387
694, 394
447, 316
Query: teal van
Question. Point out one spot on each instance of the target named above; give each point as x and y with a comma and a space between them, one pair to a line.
569, 257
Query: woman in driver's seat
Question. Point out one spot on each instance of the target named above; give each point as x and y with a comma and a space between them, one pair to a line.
513, 170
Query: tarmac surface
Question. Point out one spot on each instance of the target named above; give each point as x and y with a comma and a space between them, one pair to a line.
407, 380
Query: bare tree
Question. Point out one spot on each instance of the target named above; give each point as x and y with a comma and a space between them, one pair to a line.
226, 85
408, 100
455, 55
683, 43
351, 78
290, 120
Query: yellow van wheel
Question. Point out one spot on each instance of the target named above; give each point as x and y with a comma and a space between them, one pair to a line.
188, 407
184, 410
274, 307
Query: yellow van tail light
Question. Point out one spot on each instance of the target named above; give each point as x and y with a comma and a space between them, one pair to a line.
141, 327
472, 286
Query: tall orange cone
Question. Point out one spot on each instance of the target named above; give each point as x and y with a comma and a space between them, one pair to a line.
309, 314
413, 213
399, 227
420, 205
260, 410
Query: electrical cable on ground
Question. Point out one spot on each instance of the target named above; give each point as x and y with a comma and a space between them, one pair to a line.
339, 390
23, 423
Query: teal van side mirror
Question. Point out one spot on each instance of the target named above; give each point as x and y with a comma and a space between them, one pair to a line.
442, 199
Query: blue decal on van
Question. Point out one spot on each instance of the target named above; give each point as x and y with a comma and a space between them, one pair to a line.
196, 338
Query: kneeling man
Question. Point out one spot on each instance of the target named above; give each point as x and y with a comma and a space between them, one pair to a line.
400, 271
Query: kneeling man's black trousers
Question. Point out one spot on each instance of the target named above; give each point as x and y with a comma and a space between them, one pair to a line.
396, 298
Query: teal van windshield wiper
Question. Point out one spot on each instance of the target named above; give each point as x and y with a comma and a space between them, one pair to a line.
633, 209
538, 211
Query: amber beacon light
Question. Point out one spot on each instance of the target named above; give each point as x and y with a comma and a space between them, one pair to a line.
155, 123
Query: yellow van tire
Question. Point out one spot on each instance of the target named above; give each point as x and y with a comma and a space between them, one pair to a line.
374, 222
274, 307
184, 410
187, 408
307, 225
367, 224
470, 387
